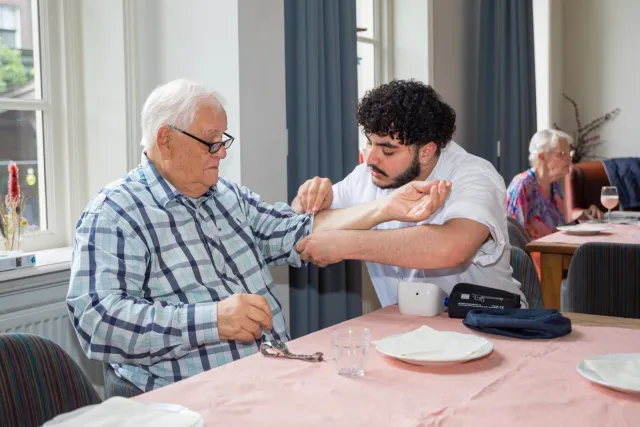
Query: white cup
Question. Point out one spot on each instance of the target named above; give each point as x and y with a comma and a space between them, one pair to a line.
420, 299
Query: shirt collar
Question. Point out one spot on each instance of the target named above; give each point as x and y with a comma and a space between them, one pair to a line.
161, 189
552, 196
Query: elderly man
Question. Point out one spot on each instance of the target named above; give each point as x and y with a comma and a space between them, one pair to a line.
409, 130
170, 273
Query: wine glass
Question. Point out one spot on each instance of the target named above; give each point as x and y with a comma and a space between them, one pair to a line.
609, 199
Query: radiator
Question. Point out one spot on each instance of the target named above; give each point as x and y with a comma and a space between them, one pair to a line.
52, 321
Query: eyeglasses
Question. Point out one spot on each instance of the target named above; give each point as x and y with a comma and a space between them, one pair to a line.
563, 154
213, 147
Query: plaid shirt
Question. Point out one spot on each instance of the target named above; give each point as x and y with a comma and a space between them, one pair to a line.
150, 264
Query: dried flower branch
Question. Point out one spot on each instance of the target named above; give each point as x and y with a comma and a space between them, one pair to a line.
11, 222
3, 231
14, 183
575, 109
583, 142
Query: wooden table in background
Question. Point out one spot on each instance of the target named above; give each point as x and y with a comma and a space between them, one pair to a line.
593, 320
557, 249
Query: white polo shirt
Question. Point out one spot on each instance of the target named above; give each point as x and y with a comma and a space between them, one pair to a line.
478, 193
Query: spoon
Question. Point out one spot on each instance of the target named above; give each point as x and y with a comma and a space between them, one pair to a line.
277, 348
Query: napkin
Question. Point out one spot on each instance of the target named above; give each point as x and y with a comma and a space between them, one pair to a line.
428, 343
623, 373
121, 412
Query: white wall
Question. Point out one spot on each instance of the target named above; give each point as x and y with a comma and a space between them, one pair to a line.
549, 58
556, 61
263, 120
241, 57
200, 42
453, 61
601, 68
104, 82
441, 56
410, 40
542, 48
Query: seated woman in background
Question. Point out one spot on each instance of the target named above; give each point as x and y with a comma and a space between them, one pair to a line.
534, 197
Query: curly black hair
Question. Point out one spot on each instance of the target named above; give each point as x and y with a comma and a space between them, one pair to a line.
408, 110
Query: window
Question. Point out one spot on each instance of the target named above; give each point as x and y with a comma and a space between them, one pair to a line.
372, 49
30, 117
10, 26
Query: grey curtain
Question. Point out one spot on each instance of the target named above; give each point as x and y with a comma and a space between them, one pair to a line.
506, 91
322, 96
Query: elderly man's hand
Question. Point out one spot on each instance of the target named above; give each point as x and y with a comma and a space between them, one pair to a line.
314, 195
416, 201
321, 248
241, 317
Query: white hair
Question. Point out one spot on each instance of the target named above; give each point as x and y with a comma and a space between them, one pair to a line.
175, 103
544, 140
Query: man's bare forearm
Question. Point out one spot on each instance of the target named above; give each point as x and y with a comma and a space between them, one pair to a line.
422, 247
361, 217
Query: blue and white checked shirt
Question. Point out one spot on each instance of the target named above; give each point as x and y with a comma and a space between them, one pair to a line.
150, 264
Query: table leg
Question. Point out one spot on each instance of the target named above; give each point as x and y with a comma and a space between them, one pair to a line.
551, 279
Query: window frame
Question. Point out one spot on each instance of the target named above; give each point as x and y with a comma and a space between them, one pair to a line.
56, 59
382, 43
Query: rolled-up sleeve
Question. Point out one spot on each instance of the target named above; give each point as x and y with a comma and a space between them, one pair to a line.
481, 197
276, 228
113, 322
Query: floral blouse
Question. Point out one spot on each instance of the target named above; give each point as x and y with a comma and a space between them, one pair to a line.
530, 206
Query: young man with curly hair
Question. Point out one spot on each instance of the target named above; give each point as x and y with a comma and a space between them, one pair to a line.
409, 129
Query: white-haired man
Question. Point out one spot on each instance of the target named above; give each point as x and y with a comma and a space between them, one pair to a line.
170, 273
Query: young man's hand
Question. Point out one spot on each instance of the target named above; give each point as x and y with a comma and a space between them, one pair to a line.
415, 201
315, 195
322, 248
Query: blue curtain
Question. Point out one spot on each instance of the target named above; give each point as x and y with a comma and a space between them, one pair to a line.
322, 96
506, 91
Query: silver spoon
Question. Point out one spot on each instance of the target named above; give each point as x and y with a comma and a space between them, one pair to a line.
277, 348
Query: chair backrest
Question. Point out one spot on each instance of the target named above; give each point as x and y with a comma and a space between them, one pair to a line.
604, 279
518, 236
38, 381
583, 184
525, 272
116, 386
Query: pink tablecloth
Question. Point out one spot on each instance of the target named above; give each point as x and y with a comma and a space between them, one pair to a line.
522, 383
620, 233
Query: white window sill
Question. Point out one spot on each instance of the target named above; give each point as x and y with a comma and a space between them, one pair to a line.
47, 261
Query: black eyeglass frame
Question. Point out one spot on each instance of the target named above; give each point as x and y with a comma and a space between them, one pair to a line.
213, 147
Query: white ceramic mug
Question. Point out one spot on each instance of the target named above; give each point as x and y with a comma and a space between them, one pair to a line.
420, 299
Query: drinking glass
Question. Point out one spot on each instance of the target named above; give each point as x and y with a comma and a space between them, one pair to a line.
351, 350
609, 199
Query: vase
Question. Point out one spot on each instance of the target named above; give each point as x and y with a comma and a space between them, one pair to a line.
12, 243
14, 229
4, 253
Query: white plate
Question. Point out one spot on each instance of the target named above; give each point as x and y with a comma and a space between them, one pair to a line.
428, 360
588, 373
584, 229
169, 407
625, 214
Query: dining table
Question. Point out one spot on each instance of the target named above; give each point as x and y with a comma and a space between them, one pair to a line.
556, 251
522, 382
